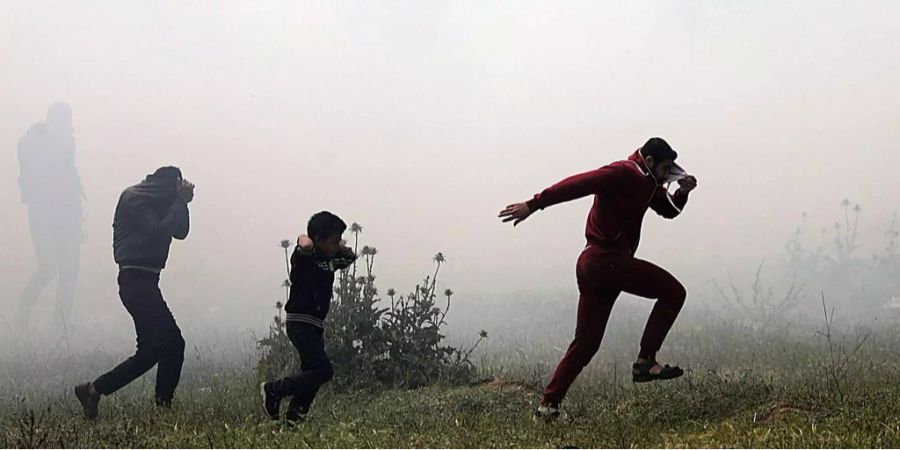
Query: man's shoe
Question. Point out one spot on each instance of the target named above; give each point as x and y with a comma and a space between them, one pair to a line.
640, 372
271, 402
546, 413
89, 402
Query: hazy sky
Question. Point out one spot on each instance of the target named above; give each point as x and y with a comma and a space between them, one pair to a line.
421, 120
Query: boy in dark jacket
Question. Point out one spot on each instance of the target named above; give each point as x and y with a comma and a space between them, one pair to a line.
623, 192
313, 263
147, 217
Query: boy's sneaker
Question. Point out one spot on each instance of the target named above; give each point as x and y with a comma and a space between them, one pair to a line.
546, 413
293, 420
165, 403
89, 402
271, 402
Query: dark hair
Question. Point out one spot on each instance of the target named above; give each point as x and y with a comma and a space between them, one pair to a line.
659, 149
171, 172
324, 225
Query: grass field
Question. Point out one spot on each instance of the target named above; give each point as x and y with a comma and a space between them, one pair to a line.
745, 387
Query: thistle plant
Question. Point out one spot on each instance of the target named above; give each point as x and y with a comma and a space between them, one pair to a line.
399, 344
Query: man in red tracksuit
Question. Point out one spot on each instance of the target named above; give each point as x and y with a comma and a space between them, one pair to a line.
623, 191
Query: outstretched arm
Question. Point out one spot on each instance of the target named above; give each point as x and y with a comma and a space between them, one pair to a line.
571, 188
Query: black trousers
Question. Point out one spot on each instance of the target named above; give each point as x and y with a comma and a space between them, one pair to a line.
158, 337
56, 236
315, 369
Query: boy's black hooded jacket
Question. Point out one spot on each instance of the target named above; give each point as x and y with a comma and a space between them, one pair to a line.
312, 282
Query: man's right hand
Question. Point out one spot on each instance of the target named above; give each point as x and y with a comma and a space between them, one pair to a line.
516, 212
186, 191
687, 184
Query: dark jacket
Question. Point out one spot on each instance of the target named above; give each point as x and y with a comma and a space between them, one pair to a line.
623, 191
312, 284
148, 216
48, 177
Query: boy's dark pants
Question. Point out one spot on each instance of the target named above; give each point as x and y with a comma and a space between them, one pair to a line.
602, 276
158, 337
315, 369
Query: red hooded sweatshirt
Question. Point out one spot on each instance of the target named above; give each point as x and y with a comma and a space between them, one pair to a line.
622, 192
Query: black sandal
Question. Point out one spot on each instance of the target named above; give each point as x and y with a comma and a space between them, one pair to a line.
640, 372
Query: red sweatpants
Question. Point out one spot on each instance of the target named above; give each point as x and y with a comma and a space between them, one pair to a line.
602, 276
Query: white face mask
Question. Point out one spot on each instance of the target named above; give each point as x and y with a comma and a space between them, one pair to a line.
676, 173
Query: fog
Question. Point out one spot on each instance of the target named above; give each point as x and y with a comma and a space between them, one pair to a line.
421, 120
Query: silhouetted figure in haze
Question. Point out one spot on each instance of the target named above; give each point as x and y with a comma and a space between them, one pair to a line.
148, 216
51, 189
623, 192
